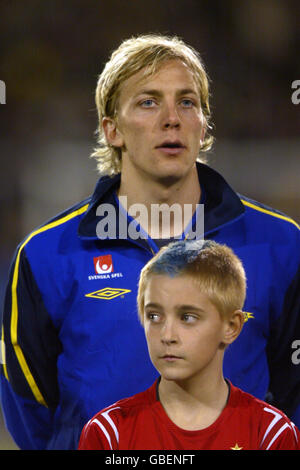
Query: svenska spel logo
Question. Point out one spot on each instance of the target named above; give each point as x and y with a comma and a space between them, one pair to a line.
103, 264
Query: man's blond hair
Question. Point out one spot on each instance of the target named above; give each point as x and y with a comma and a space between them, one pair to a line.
147, 52
215, 268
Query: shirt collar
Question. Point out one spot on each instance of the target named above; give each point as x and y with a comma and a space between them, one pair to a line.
222, 204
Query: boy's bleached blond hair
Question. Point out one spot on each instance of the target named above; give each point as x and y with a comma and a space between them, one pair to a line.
147, 52
215, 268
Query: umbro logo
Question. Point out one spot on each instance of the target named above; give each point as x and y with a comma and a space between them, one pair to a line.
107, 293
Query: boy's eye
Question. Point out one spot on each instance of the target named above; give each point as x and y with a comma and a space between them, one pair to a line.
188, 318
153, 317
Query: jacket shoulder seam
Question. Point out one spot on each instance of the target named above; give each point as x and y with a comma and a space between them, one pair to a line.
270, 212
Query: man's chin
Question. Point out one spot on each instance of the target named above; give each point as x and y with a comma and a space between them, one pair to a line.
168, 180
170, 176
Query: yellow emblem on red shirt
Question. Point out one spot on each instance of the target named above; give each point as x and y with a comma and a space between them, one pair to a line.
236, 447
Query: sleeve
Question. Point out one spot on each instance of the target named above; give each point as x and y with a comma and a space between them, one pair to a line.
100, 433
288, 439
29, 389
284, 363
279, 433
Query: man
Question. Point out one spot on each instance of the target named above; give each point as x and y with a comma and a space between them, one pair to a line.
72, 342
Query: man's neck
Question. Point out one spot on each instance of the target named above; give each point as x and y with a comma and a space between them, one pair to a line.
159, 198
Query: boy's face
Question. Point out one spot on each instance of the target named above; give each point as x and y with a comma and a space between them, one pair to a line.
159, 125
184, 331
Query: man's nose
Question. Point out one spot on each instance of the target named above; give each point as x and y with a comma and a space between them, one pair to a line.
170, 116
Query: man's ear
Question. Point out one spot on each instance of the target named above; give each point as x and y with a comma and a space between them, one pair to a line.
233, 326
112, 133
203, 131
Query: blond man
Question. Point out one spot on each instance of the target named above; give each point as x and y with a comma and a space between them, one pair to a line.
72, 343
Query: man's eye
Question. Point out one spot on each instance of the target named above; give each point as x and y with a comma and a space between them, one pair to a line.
148, 103
186, 103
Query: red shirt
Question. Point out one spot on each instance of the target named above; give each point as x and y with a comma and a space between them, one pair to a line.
140, 422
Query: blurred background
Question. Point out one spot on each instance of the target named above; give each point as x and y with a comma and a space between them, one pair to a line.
51, 54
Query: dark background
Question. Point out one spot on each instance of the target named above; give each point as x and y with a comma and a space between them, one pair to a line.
51, 54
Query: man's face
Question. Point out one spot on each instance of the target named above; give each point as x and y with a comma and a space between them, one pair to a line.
184, 331
159, 124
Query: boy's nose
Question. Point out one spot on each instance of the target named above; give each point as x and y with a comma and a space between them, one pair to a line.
168, 333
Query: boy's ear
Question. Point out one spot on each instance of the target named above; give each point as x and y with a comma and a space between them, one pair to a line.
233, 326
112, 133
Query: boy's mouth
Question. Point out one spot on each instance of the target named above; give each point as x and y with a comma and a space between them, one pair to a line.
170, 357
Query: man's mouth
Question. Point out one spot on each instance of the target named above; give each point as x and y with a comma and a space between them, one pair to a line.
171, 147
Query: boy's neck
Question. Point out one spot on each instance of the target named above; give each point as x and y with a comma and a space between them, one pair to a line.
193, 408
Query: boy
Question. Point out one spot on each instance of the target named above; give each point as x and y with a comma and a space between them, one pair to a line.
190, 301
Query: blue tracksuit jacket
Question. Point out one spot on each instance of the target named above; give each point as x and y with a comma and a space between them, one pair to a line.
72, 339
